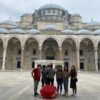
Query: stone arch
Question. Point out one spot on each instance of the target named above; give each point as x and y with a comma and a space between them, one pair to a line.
34, 37
87, 53
68, 45
87, 37
69, 37
13, 53
52, 37
50, 47
13, 36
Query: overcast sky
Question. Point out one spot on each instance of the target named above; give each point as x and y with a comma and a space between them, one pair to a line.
88, 9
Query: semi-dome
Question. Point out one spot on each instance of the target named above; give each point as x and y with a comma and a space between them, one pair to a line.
83, 31
3, 30
67, 31
9, 22
18, 31
75, 15
27, 14
96, 31
34, 31
55, 6
50, 27
93, 24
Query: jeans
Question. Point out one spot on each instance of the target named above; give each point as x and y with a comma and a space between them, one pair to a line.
59, 84
36, 82
65, 83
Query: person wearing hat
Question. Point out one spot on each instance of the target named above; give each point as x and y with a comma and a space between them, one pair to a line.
36, 73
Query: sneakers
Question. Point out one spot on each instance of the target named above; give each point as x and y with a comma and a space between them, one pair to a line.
36, 94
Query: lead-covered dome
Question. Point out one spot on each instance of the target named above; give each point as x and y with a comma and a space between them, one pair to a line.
83, 31
18, 31
34, 31
3, 30
50, 27
9, 22
93, 24
97, 32
67, 31
55, 6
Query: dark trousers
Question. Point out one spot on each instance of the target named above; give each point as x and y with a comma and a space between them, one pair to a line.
59, 84
50, 81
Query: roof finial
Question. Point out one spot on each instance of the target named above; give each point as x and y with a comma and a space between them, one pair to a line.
10, 18
92, 19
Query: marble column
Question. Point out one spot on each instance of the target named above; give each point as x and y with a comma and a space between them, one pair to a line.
22, 58
96, 58
4, 57
60, 54
78, 58
40, 53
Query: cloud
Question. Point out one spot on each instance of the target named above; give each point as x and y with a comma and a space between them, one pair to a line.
88, 9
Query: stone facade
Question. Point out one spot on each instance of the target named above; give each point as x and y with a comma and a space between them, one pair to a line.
50, 33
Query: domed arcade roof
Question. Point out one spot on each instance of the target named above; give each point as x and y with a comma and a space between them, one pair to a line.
34, 31
67, 31
55, 6
83, 31
50, 27
18, 31
3, 30
96, 31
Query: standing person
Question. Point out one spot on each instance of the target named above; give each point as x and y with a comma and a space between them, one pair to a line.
36, 76
50, 74
43, 75
73, 80
59, 78
66, 75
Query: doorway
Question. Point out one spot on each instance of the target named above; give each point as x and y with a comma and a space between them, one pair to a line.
18, 64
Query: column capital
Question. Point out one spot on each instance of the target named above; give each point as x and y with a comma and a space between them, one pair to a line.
60, 48
22, 48
95, 49
40, 48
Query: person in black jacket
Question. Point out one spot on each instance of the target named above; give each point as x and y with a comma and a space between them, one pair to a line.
73, 80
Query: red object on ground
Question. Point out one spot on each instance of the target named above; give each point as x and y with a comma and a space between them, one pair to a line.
48, 92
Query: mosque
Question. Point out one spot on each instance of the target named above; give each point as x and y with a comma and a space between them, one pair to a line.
53, 34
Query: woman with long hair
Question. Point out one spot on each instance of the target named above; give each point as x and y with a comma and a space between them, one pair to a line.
73, 80
66, 75
59, 79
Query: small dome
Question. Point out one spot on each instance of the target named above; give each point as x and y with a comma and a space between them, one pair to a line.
93, 24
50, 27
9, 22
54, 6
83, 31
18, 31
67, 31
97, 31
75, 15
3, 30
27, 14
35, 31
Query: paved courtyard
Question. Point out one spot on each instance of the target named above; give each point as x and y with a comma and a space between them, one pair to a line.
19, 86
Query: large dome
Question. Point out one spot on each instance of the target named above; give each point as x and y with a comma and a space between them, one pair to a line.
55, 6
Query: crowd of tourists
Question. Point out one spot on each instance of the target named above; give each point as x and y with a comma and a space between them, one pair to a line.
46, 74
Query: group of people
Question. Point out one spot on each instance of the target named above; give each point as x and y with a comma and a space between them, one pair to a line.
47, 74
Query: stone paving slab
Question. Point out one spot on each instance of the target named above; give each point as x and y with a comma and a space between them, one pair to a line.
19, 86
